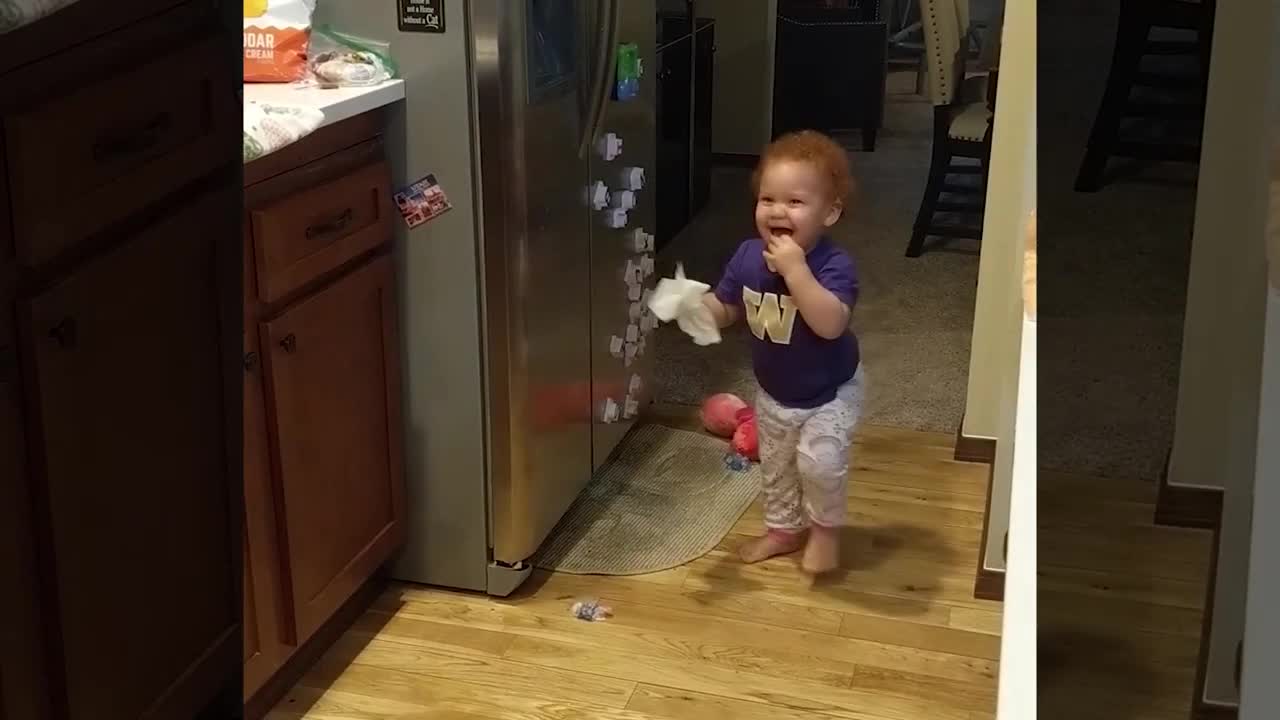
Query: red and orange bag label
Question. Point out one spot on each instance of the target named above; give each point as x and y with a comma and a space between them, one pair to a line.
276, 35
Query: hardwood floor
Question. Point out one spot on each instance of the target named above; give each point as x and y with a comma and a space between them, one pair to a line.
1120, 602
896, 635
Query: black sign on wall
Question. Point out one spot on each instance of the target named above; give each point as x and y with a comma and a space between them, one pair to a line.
425, 16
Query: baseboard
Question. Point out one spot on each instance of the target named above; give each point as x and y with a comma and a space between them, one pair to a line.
988, 584
974, 449
1205, 711
743, 160
1188, 507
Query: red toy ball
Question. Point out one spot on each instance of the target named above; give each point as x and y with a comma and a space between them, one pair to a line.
727, 416
745, 440
720, 414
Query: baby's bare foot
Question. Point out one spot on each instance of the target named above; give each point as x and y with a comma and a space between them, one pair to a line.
771, 544
822, 552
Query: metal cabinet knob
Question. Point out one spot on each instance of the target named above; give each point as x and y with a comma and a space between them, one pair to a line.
289, 343
64, 333
250, 361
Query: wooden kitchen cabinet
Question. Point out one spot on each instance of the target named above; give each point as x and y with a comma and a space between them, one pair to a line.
324, 486
119, 492
127, 410
333, 379
267, 637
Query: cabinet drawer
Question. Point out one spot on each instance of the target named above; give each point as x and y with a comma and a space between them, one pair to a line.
316, 230
84, 160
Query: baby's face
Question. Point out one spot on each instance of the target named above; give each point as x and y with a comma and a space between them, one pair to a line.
794, 202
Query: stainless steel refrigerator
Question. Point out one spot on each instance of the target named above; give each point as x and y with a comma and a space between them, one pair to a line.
524, 321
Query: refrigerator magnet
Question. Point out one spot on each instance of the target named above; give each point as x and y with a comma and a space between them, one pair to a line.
422, 201
424, 16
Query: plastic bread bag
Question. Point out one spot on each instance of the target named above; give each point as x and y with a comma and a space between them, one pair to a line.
276, 36
339, 59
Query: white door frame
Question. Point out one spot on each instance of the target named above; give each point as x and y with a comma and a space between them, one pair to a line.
1259, 694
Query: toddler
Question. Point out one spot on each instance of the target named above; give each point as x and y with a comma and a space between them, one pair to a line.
796, 289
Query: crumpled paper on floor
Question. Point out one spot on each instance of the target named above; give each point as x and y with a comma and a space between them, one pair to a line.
680, 299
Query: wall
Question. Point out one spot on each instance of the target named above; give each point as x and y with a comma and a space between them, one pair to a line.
743, 105
1226, 261
1259, 695
1216, 431
995, 337
997, 324
1016, 690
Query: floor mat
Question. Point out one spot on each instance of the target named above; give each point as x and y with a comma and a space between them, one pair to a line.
666, 499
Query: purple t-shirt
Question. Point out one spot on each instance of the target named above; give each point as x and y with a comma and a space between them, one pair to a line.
796, 366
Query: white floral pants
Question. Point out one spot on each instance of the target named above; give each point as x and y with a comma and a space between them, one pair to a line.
804, 458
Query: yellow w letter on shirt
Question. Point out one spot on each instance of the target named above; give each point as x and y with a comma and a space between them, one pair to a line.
770, 314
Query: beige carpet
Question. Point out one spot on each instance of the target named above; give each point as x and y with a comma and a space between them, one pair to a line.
1113, 272
666, 499
914, 316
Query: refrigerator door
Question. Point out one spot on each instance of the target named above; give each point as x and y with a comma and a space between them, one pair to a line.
439, 266
622, 157
531, 65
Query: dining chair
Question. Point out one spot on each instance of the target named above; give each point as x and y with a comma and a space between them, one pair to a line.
1182, 108
961, 127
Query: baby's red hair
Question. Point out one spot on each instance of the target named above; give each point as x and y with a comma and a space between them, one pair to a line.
810, 146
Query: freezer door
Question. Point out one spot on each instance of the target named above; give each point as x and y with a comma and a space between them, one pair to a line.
533, 65
622, 157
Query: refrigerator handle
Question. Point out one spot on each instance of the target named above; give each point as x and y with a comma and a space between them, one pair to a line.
606, 66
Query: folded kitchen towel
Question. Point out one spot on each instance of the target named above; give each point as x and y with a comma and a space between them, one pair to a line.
268, 128
680, 299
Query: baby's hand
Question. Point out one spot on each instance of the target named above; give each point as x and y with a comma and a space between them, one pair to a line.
784, 256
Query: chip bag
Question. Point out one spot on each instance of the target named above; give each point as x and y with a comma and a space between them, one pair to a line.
276, 35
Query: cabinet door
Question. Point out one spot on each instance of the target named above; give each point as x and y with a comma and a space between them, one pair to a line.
266, 637
333, 372
22, 644
130, 392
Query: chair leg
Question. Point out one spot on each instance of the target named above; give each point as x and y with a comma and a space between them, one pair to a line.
986, 179
1130, 39
1204, 39
929, 203
869, 138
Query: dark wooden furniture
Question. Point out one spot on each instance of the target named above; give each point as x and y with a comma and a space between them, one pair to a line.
963, 113
323, 477
700, 154
830, 67
1138, 100
684, 97
118, 296
142, 305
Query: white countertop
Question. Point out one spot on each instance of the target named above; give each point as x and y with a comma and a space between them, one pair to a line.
337, 104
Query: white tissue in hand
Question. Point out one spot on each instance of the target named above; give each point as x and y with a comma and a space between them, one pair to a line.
680, 299
698, 323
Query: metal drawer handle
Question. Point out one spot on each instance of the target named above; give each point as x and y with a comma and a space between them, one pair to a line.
8, 364
64, 333
335, 225
134, 142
